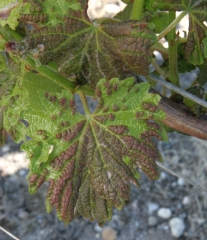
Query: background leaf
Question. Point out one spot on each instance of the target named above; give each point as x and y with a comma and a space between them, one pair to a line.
95, 51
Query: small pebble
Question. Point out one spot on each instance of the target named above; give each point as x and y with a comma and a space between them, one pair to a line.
135, 204
174, 184
163, 226
180, 182
152, 221
177, 227
19, 156
97, 228
152, 207
186, 201
164, 213
200, 221
136, 224
22, 214
108, 233
5, 149
23, 172
97, 235
115, 217
163, 175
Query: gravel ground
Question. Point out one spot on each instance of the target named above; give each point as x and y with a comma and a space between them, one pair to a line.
147, 216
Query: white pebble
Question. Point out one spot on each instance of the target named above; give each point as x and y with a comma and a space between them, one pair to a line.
5, 148
177, 227
97, 235
186, 201
19, 156
22, 172
152, 221
152, 207
164, 213
163, 175
180, 182
22, 214
136, 223
174, 184
108, 233
97, 228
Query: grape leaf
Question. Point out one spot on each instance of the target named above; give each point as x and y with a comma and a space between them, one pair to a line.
193, 47
12, 122
126, 13
204, 41
10, 12
34, 83
159, 20
11, 98
194, 107
201, 79
86, 51
12, 101
89, 160
49, 12
163, 5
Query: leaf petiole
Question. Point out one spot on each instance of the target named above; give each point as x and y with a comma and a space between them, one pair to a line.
172, 45
51, 75
172, 25
137, 10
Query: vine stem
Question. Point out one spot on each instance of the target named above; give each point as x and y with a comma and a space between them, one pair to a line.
84, 102
178, 176
51, 75
137, 10
172, 48
55, 77
160, 48
8, 233
178, 90
172, 25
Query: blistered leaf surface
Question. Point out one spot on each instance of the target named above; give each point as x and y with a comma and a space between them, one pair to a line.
90, 159
11, 100
86, 51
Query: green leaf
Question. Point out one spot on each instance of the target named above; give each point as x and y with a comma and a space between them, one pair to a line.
93, 157
10, 12
126, 13
194, 107
159, 21
2, 44
205, 47
12, 99
164, 5
40, 151
35, 83
2, 62
201, 79
49, 12
11, 114
193, 47
10, 78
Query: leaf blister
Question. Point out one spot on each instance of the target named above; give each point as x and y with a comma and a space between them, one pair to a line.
96, 148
